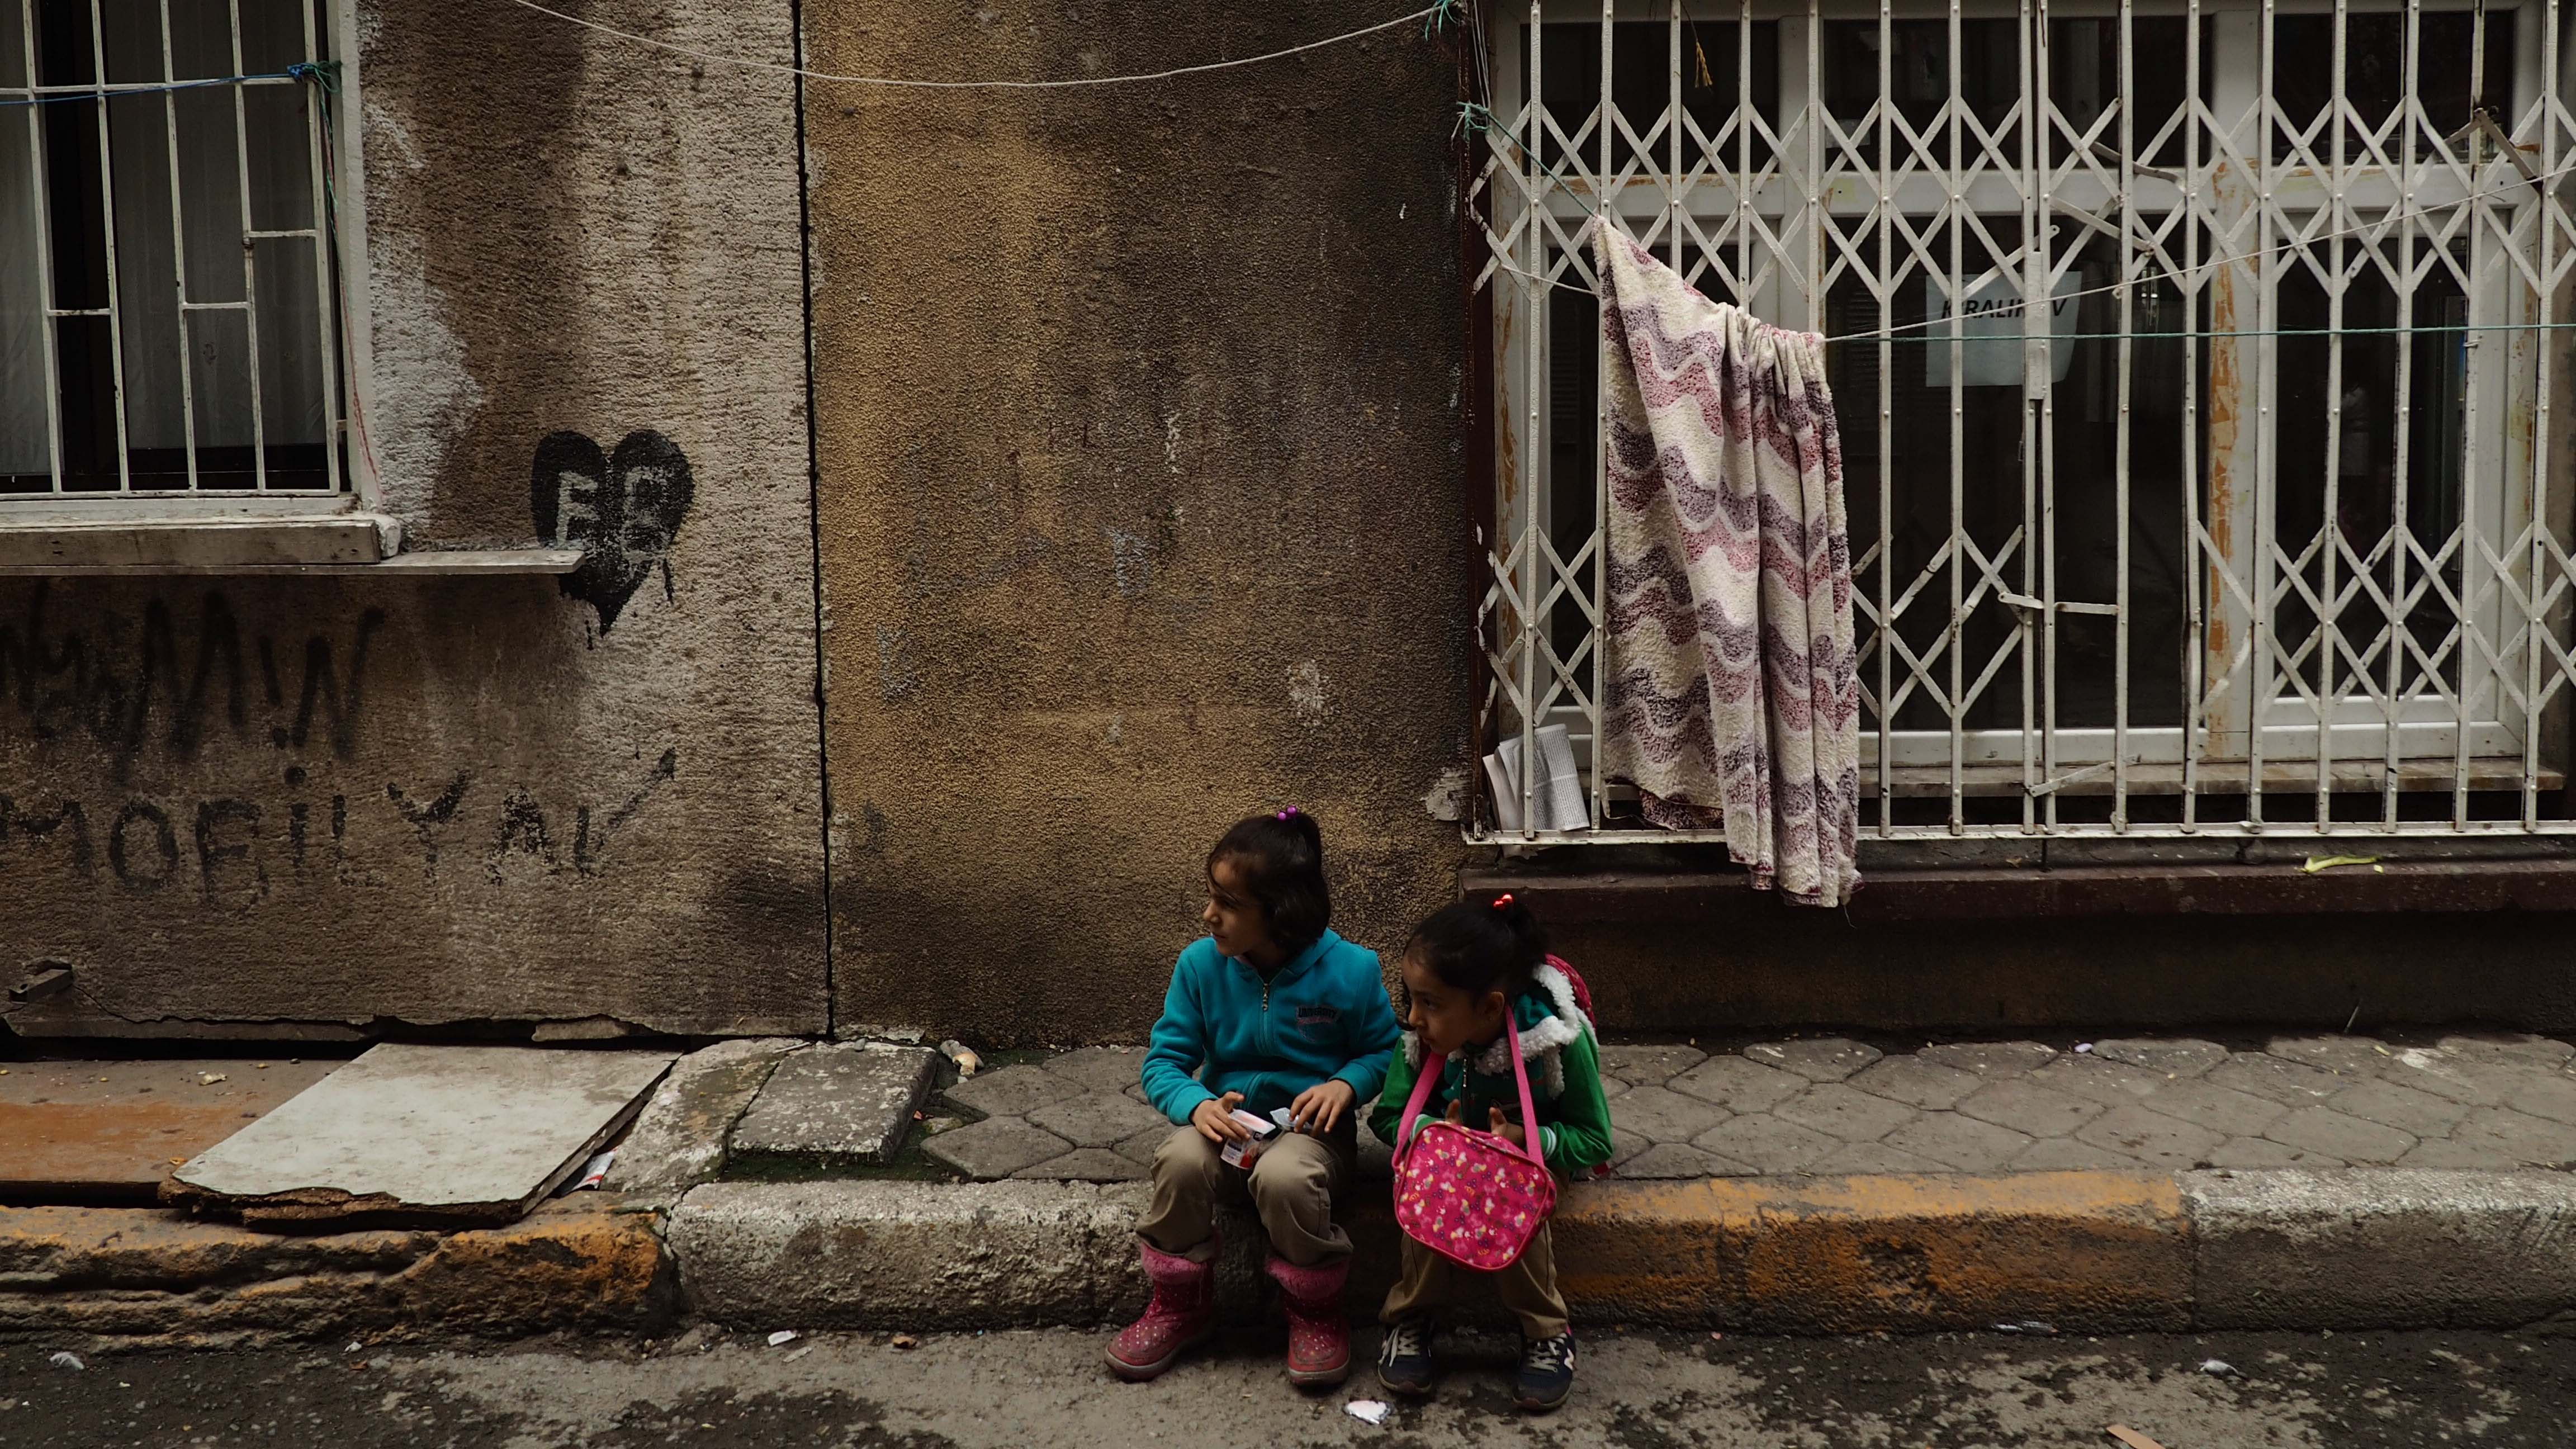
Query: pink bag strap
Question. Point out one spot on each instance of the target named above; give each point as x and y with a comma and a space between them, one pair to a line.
1520, 1079
1432, 1068
1423, 1081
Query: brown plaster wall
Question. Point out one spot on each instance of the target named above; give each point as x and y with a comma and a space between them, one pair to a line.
1141, 490
436, 801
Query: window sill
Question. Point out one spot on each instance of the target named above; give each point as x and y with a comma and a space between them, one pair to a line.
341, 543
1987, 893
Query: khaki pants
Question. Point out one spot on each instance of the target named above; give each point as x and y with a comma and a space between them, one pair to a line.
1527, 1287
1291, 1185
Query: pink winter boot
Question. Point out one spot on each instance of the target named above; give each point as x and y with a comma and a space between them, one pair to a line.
1319, 1333
1181, 1313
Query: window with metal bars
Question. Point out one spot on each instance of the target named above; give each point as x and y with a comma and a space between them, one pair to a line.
168, 317
2196, 365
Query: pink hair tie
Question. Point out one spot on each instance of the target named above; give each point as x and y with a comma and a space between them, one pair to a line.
1502, 900
1288, 814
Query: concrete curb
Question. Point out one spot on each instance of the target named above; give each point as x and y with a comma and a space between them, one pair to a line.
2081, 1251
151, 1277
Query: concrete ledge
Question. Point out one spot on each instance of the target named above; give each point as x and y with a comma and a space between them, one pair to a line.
1826, 1255
903, 1254
153, 1276
2083, 1250
2386, 1248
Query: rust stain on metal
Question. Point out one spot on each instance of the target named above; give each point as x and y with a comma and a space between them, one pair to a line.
2223, 411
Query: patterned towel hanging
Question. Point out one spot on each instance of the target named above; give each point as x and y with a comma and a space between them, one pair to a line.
1733, 689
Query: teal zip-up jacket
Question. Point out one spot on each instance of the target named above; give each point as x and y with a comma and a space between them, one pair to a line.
1323, 1014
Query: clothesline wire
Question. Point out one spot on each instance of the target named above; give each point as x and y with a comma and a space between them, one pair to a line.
118, 92
1888, 333
1434, 13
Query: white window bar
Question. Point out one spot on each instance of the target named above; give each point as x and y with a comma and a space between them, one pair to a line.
2196, 363
168, 325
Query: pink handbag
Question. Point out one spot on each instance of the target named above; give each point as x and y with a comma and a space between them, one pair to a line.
1465, 1193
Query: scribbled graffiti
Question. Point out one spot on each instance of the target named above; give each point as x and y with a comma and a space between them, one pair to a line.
144, 683
623, 510
235, 851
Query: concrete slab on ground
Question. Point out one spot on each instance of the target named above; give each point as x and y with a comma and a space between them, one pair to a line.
679, 1138
463, 1134
839, 1099
92, 1131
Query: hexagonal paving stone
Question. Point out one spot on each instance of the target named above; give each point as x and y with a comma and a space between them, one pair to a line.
2353, 1056
2175, 1056
2511, 1046
2227, 1113
2113, 1084
2330, 1133
1875, 1158
2420, 1114
1916, 1082
1096, 1119
2441, 1152
2462, 1079
995, 1148
1765, 1143
1962, 1144
1671, 1160
2552, 1096
1738, 1085
1625, 1144
2508, 1133
1837, 1111
1818, 1059
1102, 1069
1011, 1091
2292, 1084
2261, 1152
1140, 1147
2029, 1108
1085, 1164
2151, 1137
1645, 1063
1666, 1116
2065, 1154
1993, 1060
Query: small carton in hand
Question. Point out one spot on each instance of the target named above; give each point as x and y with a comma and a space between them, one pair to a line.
1259, 1127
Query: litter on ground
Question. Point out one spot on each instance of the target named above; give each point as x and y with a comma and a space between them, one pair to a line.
1367, 1411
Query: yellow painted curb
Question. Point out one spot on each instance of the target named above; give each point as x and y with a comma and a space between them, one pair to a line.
2079, 1250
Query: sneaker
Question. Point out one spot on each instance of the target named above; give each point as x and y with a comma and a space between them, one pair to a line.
1546, 1374
1404, 1358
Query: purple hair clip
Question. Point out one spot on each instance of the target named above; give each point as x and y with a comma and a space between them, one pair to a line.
1288, 814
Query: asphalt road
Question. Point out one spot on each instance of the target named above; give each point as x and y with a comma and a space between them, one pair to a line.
1638, 1391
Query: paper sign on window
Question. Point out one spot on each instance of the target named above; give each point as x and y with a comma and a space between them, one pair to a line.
1991, 333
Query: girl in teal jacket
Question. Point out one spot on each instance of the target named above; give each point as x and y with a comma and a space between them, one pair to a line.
1270, 1013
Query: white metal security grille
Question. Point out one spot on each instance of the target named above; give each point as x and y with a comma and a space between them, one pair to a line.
167, 325
2197, 366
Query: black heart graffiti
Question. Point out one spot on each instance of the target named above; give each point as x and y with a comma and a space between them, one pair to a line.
622, 510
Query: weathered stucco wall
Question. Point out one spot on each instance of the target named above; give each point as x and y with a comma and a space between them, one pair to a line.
342, 799
1140, 489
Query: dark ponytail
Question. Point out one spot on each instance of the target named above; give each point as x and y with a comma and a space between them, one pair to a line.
1488, 943
1281, 856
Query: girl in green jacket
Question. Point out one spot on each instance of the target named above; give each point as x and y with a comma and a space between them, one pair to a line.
1464, 968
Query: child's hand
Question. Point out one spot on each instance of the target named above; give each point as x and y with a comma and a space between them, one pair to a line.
1504, 1128
1215, 1120
1320, 1107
